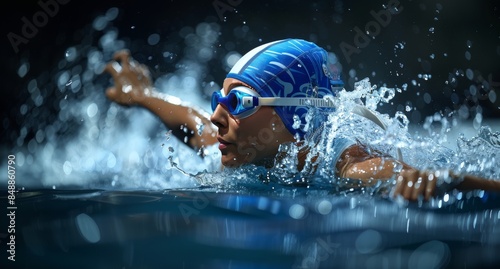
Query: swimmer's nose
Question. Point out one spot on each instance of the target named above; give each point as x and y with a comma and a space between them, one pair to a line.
219, 117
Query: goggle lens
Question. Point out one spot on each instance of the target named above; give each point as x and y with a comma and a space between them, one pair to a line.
233, 102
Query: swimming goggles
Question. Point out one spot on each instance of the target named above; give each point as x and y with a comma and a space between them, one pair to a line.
242, 102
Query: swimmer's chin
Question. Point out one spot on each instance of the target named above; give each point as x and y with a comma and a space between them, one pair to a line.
233, 161
230, 162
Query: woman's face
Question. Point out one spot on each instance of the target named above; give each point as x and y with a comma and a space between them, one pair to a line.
254, 139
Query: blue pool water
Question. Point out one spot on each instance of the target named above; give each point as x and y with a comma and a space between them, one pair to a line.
297, 228
101, 186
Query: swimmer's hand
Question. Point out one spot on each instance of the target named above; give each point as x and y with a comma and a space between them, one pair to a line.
132, 80
411, 184
414, 185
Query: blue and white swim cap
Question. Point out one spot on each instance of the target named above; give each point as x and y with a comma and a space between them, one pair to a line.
289, 68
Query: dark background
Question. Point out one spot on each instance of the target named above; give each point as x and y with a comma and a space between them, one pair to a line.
328, 23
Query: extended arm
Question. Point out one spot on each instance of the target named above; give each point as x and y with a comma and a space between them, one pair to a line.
133, 86
357, 162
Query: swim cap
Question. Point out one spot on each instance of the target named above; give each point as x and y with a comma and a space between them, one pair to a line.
288, 68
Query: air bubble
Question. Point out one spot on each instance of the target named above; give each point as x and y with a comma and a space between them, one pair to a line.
71, 54
467, 55
469, 74
92, 110
469, 44
492, 96
153, 39
23, 69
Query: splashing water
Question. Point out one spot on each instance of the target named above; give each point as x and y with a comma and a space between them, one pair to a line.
94, 144
478, 155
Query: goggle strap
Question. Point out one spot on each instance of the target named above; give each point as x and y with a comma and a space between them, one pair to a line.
250, 101
290, 101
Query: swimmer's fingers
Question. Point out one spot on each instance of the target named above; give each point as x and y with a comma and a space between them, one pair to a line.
144, 70
398, 189
113, 69
410, 178
430, 186
414, 185
122, 56
111, 93
132, 67
419, 188
399, 186
425, 186
410, 185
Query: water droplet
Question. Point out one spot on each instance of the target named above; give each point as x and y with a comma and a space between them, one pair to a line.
100, 23
467, 55
492, 96
297, 211
71, 54
473, 90
296, 122
23, 69
469, 73
386, 94
153, 39
112, 13
469, 44
92, 110
67, 168
427, 98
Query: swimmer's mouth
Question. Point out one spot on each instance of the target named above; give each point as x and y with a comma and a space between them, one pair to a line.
222, 143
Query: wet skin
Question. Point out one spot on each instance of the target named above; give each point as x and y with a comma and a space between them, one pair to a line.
254, 139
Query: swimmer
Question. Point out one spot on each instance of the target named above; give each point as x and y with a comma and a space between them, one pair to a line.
272, 87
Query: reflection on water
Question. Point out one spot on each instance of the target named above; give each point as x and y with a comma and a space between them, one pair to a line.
206, 229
